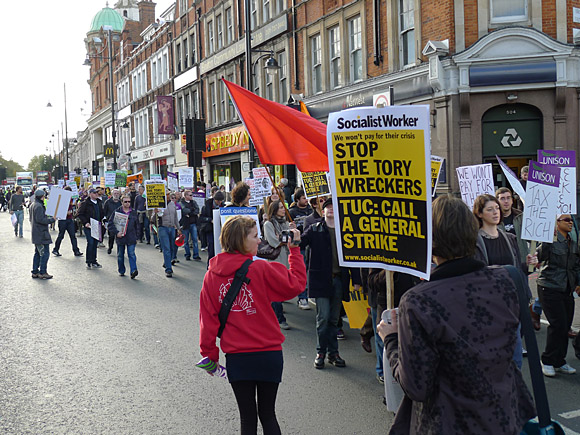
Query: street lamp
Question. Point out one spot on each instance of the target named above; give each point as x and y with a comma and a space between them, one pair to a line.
109, 58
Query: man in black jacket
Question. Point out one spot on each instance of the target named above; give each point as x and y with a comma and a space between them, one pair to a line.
91, 208
189, 214
109, 207
206, 221
329, 283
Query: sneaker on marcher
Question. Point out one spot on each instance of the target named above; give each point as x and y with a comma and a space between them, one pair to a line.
566, 369
284, 325
96, 265
548, 370
303, 304
340, 334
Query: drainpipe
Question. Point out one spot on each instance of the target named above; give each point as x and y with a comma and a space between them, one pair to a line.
295, 40
377, 32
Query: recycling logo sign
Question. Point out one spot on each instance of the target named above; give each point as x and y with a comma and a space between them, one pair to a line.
511, 139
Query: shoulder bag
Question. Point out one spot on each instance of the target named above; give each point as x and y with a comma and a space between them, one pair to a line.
232, 294
545, 425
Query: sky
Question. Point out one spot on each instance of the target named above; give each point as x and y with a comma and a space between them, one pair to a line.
43, 48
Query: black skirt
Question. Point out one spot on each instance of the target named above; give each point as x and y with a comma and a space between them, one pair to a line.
255, 366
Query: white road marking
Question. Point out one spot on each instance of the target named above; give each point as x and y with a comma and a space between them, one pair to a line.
570, 414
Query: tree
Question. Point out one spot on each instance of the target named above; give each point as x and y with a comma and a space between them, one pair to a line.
42, 162
11, 166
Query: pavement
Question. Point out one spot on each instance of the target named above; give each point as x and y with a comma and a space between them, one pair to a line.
90, 352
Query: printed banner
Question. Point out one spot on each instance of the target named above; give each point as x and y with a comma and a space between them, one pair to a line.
74, 188
165, 115
315, 184
199, 198
229, 212
380, 170
566, 161
58, 202
474, 181
85, 173
156, 177
261, 187
136, 178
120, 220
155, 194
357, 310
436, 163
110, 178
186, 178
95, 229
61, 183
513, 180
120, 178
172, 183
78, 180
539, 219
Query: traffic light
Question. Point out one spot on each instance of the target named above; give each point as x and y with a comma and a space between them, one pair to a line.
95, 167
194, 141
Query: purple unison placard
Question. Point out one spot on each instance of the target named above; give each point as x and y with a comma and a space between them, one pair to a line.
544, 174
561, 158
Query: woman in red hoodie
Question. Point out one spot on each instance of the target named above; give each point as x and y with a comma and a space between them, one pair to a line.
251, 339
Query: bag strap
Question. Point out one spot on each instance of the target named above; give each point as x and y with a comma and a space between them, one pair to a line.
540, 396
232, 294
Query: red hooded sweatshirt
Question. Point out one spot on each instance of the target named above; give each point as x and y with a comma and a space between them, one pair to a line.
252, 325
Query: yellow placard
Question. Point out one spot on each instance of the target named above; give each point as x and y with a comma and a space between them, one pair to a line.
357, 310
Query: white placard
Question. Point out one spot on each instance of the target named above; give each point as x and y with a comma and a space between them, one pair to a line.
261, 187
474, 181
186, 178
95, 229
74, 188
58, 202
513, 180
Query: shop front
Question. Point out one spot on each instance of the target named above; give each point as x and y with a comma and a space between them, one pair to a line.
227, 156
157, 159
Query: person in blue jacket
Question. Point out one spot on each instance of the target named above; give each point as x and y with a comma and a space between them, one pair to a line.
128, 239
329, 283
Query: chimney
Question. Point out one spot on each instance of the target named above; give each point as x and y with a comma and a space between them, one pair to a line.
146, 12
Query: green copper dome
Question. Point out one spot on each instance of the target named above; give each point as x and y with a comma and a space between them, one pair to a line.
107, 17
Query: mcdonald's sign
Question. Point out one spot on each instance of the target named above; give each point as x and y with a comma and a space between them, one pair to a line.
109, 151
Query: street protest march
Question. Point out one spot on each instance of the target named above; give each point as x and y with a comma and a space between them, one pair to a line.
539, 218
260, 187
136, 178
156, 197
566, 161
58, 201
120, 220
315, 184
380, 165
512, 180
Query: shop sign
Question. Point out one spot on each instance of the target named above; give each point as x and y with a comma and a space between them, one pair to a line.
151, 153
228, 141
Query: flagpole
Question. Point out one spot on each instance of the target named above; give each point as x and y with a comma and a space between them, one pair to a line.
278, 191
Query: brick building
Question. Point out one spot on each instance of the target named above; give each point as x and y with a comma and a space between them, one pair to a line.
500, 76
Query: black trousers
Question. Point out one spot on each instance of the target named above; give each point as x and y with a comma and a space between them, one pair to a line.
245, 392
558, 307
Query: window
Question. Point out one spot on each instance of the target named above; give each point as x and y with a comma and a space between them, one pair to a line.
213, 103
142, 128
283, 78
107, 89
506, 11
220, 32
334, 54
123, 92
193, 45
178, 50
355, 49
253, 15
280, 6
315, 56
165, 66
195, 105
407, 32
223, 101
188, 105
182, 7
153, 74
185, 55
180, 112
155, 125
231, 109
266, 11
159, 68
139, 82
210, 41
269, 87
230, 26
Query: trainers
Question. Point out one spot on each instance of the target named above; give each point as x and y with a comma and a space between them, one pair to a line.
109, 250
340, 334
319, 361
187, 258
303, 304
35, 275
197, 258
381, 379
56, 253
203, 249
548, 370
97, 265
101, 245
78, 254
524, 352
566, 369
168, 274
336, 361
47, 276
284, 325
121, 274
134, 274
89, 266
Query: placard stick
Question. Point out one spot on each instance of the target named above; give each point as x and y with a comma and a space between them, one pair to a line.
278, 190
390, 290
533, 248
57, 204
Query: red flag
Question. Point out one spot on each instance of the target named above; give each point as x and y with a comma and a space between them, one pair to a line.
281, 135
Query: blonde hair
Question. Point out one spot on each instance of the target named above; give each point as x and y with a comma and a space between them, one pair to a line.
234, 234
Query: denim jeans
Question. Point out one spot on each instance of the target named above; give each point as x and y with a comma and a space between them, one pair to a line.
20, 220
304, 294
121, 258
166, 239
144, 229
40, 260
537, 307
66, 226
279, 311
91, 251
378, 343
518, 352
191, 234
327, 313
210, 247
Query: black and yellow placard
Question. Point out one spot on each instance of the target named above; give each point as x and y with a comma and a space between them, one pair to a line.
315, 184
155, 194
380, 167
